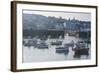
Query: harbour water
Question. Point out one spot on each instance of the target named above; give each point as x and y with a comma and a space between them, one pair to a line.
33, 54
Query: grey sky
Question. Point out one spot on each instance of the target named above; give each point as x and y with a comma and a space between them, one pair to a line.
77, 15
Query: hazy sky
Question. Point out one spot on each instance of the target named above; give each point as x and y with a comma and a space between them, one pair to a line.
77, 15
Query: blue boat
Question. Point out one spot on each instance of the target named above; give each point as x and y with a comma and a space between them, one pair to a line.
62, 50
